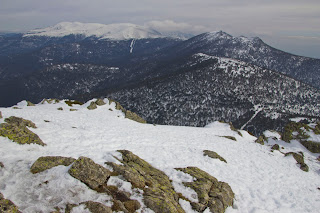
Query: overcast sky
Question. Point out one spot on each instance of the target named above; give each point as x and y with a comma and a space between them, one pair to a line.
290, 25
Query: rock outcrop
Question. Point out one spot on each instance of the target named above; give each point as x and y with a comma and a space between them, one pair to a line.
7, 206
128, 114
159, 194
212, 194
0, 115
213, 155
299, 157
44, 163
16, 129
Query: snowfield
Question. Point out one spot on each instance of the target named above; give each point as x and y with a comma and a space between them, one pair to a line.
263, 181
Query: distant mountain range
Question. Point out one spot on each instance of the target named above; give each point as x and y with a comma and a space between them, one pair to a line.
168, 80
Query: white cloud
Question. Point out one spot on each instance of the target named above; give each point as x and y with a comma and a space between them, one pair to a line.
172, 26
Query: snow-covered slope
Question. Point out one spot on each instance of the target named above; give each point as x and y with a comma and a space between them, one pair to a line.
120, 31
262, 181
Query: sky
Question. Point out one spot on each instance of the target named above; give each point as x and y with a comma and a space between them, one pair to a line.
289, 25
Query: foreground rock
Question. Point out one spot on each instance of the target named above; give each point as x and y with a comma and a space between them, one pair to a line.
44, 163
16, 129
212, 194
159, 194
7, 206
87, 171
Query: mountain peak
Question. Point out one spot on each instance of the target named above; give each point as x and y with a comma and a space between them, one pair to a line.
121, 31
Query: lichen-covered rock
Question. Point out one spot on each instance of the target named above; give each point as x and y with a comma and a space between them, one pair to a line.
16, 129
90, 173
92, 106
230, 138
70, 102
295, 127
159, 194
213, 155
100, 102
50, 101
313, 147
128, 114
133, 116
60, 108
7, 206
44, 163
261, 139
94, 207
0, 115
72, 110
212, 194
30, 103
275, 147
299, 157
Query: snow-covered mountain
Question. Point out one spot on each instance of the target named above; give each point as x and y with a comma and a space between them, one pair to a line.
262, 178
254, 51
120, 31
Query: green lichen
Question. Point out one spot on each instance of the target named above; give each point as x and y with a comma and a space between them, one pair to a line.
261, 139
16, 130
48, 162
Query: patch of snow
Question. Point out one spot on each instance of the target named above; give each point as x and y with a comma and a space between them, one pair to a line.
262, 181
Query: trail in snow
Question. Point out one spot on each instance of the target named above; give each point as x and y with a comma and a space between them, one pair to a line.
255, 114
132, 45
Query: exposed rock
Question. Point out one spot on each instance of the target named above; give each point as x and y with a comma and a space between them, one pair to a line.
313, 147
212, 194
128, 114
230, 137
317, 129
0, 115
60, 108
213, 155
133, 116
7, 206
92, 105
70, 102
1, 165
299, 157
90, 173
232, 127
93, 207
16, 129
44, 163
50, 101
159, 194
30, 104
73, 110
275, 147
100, 102
294, 127
261, 139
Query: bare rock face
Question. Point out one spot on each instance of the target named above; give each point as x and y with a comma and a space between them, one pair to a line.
213, 155
16, 129
7, 206
159, 194
90, 173
92, 106
100, 102
212, 194
44, 163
